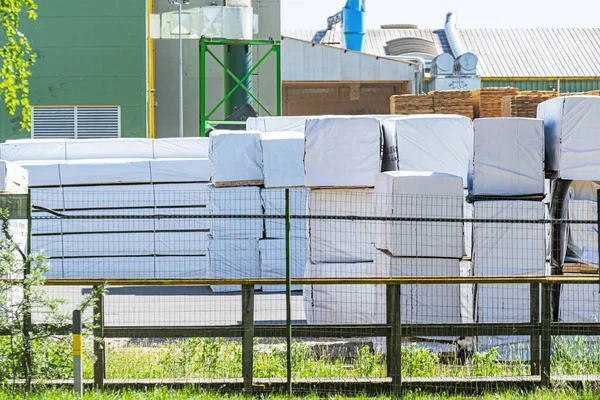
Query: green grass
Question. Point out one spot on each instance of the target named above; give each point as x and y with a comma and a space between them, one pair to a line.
167, 394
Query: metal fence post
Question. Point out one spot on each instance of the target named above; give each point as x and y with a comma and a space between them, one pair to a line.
99, 350
248, 335
288, 293
27, 320
534, 310
394, 339
598, 225
77, 353
546, 334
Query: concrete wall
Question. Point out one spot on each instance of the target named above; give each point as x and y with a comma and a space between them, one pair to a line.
89, 53
167, 73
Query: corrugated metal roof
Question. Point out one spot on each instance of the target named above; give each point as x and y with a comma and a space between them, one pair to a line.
564, 52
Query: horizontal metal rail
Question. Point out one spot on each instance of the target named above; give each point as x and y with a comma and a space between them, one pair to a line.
420, 280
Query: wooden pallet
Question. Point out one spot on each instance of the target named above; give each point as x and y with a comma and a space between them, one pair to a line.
239, 183
579, 268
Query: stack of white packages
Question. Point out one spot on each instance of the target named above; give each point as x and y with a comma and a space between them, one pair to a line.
237, 172
421, 248
507, 249
119, 177
276, 124
582, 244
508, 162
283, 168
572, 134
342, 158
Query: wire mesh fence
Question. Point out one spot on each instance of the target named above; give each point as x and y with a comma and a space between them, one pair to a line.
386, 290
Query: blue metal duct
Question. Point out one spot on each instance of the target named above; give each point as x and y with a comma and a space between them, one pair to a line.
353, 22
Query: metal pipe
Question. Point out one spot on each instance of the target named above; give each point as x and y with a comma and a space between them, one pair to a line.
179, 5
452, 36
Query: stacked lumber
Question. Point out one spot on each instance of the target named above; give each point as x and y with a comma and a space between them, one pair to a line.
458, 102
487, 102
592, 93
406, 104
524, 104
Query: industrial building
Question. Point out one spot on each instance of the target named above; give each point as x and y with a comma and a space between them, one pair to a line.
104, 67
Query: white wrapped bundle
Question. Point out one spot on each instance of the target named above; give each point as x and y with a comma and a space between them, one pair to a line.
342, 151
419, 195
442, 143
273, 201
283, 159
105, 171
180, 170
341, 240
572, 136
273, 261
236, 201
235, 156
508, 157
42, 173
233, 258
196, 147
13, 178
276, 124
93, 149
34, 149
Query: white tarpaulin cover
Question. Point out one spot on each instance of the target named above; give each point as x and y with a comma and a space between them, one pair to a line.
579, 303
113, 244
181, 194
234, 258
13, 178
108, 196
273, 261
419, 195
129, 148
87, 172
343, 304
180, 148
342, 151
341, 240
572, 134
181, 267
106, 267
236, 201
235, 156
283, 159
180, 170
42, 173
181, 243
508, 157
584, 190
442, 143
34, 149
582, 246
273, 201
276, 124
424, 304
509, 248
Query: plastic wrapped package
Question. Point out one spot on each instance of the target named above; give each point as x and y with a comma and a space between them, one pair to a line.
283, 159
233, 258
182, 244
13, 178
235, 156
572, 136
42, 173
341, 240
582, 246
34, 149
109, 197
93, 149
273, 261
579, 302
169, 267
419, 195
342, 151
180, 170
509, 248
108, 267
236, 201
273, 201
181, 194
88, 172
180, 148
136, 244
508, 157
344, 304
442, 143
276, 124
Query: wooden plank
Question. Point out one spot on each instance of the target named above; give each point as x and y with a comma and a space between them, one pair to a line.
579, 268
239, 183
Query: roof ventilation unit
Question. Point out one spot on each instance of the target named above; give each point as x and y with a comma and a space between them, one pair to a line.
411, 45
442, 64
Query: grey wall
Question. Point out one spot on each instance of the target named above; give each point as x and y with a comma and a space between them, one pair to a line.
167, 72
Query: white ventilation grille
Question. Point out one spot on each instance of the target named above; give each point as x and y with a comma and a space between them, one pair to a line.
76, 122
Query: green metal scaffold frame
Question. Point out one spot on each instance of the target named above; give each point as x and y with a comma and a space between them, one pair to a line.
206, 121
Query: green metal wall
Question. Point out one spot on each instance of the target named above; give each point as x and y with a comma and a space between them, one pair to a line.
90, 52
